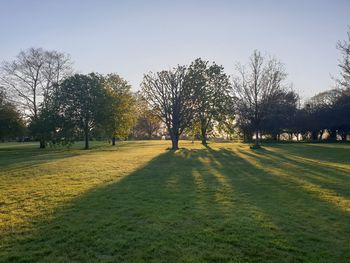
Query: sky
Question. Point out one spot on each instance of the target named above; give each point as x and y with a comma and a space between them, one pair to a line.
133, 37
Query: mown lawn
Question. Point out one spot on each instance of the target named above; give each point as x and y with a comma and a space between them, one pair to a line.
138, 202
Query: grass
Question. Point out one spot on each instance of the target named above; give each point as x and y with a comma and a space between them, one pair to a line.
138, 202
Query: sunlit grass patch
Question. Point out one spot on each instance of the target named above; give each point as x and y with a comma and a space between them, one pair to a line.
140, 202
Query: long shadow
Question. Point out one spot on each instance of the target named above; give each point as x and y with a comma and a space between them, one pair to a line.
19, 156
335, 152
198, 205
313, 227
333, 178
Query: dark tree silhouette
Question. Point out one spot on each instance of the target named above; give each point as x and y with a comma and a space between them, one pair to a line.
171, 99
254, 89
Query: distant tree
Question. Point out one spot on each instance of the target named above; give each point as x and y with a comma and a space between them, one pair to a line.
320, 114
82, 105
122, 110
11, 122
341, 114
254, 91
228, 126
148, 123
300, 123
341, 108
30, 77
211, 88
280, 113
171, 99
193, 131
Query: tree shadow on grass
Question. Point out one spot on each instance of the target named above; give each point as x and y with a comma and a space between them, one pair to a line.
21, 156
313, 220
327, 175
212, 205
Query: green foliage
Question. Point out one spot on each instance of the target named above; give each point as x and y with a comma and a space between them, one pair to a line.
280, 112
122, 112
51, 126
82, 104
211, 89
326, 111
11, 122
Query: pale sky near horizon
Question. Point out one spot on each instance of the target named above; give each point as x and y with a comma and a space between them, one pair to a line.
134, 37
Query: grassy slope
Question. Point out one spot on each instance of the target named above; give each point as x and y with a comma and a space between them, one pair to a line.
138, 202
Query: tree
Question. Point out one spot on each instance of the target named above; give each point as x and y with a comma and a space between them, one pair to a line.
280, 113
82, 104
211, 92
320, 114
344, 64
11, 122
171, 99
148, 123
30, 77
254, 91
341, 114
122, 109
51, 125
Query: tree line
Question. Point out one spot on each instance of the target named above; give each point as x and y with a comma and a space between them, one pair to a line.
43, 99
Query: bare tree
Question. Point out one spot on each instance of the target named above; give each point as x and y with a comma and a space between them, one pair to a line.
171, 99
30, 77
344, 63
254, 88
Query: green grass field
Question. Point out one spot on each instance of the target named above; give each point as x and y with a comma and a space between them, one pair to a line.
138, 202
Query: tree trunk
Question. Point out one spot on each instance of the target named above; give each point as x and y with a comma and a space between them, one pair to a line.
86, 135
343, 136
275, 137
42, 144
150, 135
204, 137
256, 144
332, 135
175, 142
314, 135
113, 141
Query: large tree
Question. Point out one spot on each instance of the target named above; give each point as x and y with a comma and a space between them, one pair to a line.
254, 88
82, 104
29, 78
122, 107
211, 88
172, 100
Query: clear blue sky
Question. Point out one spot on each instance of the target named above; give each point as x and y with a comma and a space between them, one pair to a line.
134, 37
